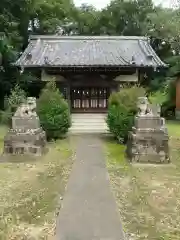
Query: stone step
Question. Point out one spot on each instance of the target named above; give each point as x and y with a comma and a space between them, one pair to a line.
88, 123
103, 126
87, 116
88, 130
76, 131
88, 120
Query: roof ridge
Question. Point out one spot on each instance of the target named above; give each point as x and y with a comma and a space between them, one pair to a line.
75, 37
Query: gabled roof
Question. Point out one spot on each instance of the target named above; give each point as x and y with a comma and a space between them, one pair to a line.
85, 51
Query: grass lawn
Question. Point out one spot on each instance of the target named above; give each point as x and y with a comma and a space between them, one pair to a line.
174, 128
148, 196
30, 192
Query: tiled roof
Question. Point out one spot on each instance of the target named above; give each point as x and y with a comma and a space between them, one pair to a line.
94, 51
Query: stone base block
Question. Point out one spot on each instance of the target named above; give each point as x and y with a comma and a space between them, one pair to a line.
148, 122
27, 150
25, 123
30, 143
148, 149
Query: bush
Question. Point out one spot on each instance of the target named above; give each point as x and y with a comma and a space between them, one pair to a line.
121, 111
119, 121
11, 103
158, 97
128, 97
168, 110
53, 112
169, 106
166, 99
6, 117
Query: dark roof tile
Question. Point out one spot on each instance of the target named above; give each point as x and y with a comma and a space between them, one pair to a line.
63, 51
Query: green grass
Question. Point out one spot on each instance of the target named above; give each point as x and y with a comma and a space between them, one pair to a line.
30, 192
174, 128
148, 196
3, 130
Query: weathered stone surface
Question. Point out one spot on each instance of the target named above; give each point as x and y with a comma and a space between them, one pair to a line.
26, 136
148, 122
25, 123
148, 140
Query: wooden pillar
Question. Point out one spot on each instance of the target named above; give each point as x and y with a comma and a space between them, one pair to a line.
178, 98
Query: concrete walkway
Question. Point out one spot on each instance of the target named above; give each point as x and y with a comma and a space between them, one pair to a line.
89, 210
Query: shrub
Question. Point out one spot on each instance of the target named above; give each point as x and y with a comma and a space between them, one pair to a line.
166, 98
119, 121
11, 103
169, 106
6, 117
128, 97
158, 97
53, 112
121, 111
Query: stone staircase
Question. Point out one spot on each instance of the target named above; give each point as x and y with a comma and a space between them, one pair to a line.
88, 123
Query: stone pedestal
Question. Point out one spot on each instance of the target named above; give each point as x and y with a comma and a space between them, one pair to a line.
25, 123
26, 136
31, 142
148, 140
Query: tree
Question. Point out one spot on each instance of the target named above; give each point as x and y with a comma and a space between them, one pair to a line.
125, 17
164, 24
86, 20
49, 15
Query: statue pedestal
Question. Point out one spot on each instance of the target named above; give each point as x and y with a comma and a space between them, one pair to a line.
26, 136
148, 140
30, 142
25, 123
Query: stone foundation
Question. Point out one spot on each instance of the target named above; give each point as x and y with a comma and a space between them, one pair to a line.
26, 135
148, 141
29, 142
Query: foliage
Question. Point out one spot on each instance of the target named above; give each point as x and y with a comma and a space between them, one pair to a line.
166, 98
20, 18
11, 104
16, 97
49, 15
169, 106
8, 75
174, 65
119, 121
158, 97
53, 112
127, 96
122, 107
164, 24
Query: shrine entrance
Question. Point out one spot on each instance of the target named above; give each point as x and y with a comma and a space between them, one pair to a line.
89, 99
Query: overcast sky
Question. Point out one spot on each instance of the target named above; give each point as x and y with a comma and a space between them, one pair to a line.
102, 3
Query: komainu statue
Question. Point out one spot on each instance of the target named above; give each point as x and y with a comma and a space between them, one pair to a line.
148, 139
26, 136
28, 109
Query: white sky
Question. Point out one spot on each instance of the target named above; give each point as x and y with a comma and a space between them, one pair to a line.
102, 3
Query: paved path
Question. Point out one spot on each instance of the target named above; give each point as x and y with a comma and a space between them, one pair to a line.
89, 211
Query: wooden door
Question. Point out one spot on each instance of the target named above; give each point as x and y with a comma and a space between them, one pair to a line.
89, 99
